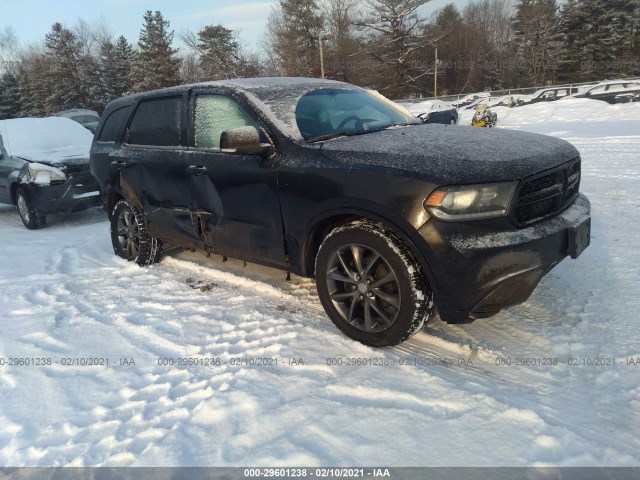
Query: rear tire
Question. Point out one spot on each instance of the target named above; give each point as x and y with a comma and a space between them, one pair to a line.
29, 215
370, 284
130, 237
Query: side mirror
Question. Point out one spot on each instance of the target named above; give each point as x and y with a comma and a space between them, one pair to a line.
244, 141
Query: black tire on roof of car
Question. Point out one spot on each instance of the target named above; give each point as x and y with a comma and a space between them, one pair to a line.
29, 215
371, 285
130, 237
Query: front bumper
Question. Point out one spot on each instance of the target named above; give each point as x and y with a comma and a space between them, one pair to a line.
480, 270
77, 193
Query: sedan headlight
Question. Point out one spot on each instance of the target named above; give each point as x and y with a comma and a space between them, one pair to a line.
470, 202
45, 174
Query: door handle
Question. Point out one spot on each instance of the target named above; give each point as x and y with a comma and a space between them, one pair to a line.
196, 169
119, 164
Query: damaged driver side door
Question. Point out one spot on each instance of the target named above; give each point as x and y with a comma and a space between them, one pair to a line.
151, 168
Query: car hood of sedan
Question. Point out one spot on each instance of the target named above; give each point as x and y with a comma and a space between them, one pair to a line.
51, 140
56, 157
451, 154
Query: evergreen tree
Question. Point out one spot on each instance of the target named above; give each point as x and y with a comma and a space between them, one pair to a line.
115, 65
219, 53
599, 39
64, 82
157, 64
536, 27
10, 102
124, 59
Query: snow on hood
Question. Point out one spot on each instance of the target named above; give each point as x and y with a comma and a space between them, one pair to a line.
453, 155
52, 140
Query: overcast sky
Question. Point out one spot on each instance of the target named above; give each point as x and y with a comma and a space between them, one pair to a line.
32, 19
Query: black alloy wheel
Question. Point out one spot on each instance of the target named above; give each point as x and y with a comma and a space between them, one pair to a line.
129, 235
371, 285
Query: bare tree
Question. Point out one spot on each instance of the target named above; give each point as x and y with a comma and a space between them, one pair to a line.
292, 35
341, 38
396, 39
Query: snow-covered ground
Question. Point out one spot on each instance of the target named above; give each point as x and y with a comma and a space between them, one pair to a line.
452, 395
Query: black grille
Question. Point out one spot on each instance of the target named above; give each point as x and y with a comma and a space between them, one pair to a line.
546, 194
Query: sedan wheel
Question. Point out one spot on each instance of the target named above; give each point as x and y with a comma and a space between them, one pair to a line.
370, 284
31, 218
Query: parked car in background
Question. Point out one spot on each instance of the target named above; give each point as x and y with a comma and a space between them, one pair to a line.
482, 100
44, 167
509, 101
548, 94
467, 99
324, 179
87, 118
612, 91
435, 111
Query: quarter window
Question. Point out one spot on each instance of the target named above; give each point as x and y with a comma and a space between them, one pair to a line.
112, 128
157, 122
213, 115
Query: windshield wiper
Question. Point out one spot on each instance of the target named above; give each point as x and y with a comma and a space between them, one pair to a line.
329, 136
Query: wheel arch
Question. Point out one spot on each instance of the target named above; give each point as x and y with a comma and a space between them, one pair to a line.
322, 226
112, 198
13, 191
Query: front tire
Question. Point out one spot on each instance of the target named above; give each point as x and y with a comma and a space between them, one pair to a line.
130, 237
29, 215
371, 286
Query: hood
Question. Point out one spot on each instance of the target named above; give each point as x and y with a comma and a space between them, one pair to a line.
52, 140
56, 157
452, 155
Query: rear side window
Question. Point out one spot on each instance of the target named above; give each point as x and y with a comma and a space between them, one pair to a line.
113, 125
213, 115
157, 122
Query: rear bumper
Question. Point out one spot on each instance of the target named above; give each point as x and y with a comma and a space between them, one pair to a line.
74, 194
480, 271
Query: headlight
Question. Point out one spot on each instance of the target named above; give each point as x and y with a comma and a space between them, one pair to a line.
470, 202
46, 175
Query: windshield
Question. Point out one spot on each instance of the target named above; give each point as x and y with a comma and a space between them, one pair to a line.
328, 112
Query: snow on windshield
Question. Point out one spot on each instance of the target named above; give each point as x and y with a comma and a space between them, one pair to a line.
278, 98
52, 138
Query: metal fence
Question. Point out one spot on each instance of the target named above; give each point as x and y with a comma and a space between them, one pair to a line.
510, 91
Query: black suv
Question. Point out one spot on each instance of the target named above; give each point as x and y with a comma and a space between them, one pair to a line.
393, 217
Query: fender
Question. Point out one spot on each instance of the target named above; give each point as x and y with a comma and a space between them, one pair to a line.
303, 242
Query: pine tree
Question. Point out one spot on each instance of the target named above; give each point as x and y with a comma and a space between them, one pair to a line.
219, 53
157, 64
599, 39
115, 64
10, 101
536, 27
64, 81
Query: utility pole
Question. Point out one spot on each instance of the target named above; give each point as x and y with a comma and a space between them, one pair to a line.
321, 56
435, 77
